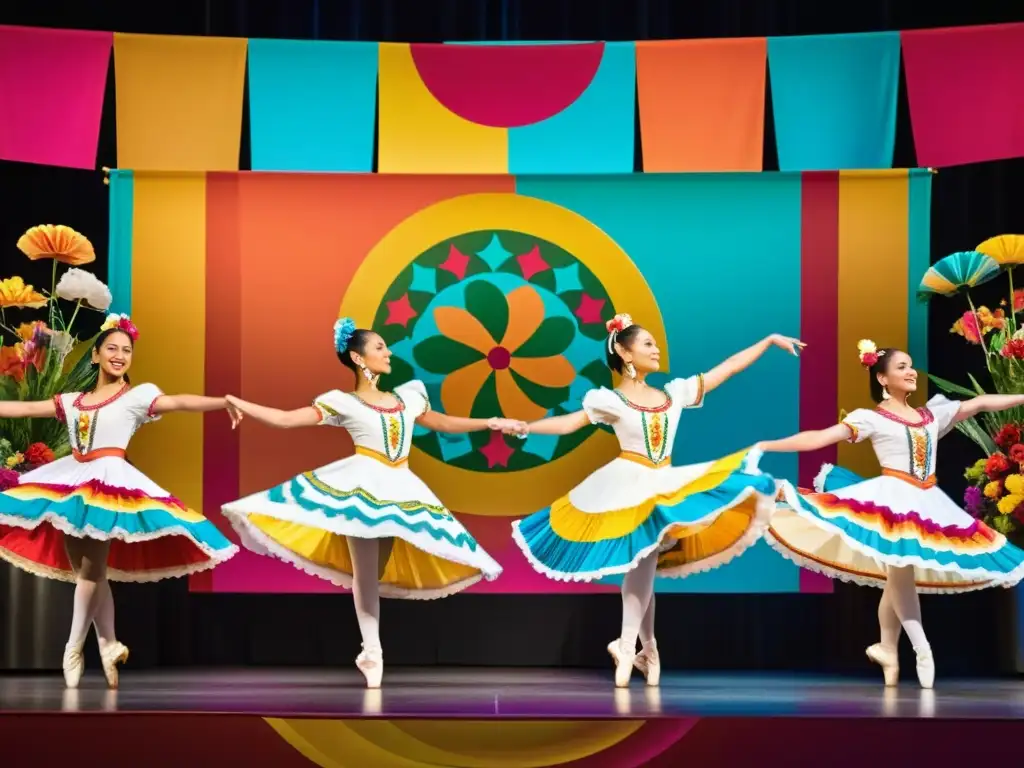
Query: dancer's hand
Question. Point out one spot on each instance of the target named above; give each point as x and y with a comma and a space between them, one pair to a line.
234, 413
518, 428
791, 345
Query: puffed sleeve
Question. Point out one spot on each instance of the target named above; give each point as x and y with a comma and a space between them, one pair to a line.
141, 400
334, 407
860, 423
689, 393
415, 397
601, 406
60, 405
944, 411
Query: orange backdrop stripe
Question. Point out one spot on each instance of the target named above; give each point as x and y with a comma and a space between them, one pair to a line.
179, 101
702, 104
301, 238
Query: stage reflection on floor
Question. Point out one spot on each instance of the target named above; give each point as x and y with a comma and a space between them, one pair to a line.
510, 693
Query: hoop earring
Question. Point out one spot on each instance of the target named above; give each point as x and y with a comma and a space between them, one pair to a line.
885, 393
630, 371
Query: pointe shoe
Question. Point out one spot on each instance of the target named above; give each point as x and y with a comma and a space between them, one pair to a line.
111, 655
74, 666
649, 664
371, 663
623, 663
925, 666
888, 659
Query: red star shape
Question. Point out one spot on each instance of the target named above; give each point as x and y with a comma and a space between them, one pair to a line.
400, 312
497, 451
532, 262
589, 310
456, 262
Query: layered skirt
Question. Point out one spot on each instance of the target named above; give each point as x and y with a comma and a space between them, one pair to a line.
307, 520
152, 535
696, 517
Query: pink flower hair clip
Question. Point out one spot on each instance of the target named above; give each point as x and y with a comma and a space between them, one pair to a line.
868, 352
121, 323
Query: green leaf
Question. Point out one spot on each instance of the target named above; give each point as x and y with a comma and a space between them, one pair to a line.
488, 304
439, 354
546, 397
950, 388
486, 404
977, 387
553, 337
975, 432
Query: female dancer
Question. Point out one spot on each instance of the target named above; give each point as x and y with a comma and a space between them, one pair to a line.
366, 522
639, 514
91, 517
898, 531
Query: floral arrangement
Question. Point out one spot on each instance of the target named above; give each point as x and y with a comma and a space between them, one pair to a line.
996, 490
41, 357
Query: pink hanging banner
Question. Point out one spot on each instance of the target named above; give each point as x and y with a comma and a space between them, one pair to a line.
966, 91
51, 94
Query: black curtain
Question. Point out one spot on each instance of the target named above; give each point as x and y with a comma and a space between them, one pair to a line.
167, 626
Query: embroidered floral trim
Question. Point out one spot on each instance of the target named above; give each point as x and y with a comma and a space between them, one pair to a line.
644, 409
78, 404
400, 406
926, 417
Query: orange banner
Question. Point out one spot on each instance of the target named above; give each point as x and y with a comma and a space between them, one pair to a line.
179, 102
702, 104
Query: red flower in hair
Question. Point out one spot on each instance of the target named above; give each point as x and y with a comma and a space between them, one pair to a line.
1008, 436
618, 323
868, 359
997, 466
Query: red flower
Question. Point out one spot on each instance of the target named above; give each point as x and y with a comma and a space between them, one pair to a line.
997, 466
8, 479
1013, 349
1008, 436
868, 359
38, 454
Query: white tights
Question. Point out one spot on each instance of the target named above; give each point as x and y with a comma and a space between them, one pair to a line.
369, 557
900, 608
94, 602
638, 604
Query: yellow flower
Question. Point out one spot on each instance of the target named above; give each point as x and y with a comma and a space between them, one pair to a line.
1014, 484
14, 293
994, 489
48, 241
866, 347
1009, 503
15, 459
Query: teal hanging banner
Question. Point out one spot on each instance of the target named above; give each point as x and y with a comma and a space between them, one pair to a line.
834, 100
312, 105
119, 250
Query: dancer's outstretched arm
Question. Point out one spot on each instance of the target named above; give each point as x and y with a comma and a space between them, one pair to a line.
32, 409
556, 425
987, 404
275, 417
743, 359
812, 440
442, 422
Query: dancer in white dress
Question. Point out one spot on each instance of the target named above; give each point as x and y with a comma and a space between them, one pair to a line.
367, 522
91, 517
639, 514
898, 531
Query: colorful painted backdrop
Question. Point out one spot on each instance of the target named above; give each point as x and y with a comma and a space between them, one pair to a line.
236, 279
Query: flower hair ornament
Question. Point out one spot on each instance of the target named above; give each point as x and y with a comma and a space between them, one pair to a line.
121, 323
615, 326
868, 352
344, 327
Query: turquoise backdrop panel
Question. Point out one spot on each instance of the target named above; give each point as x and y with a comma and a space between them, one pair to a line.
834, 100
312, 105
721, 253
119, 248
918, 261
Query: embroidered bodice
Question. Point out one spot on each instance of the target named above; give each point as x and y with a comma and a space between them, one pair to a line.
907, 447
645, 432
107, 424
386, 432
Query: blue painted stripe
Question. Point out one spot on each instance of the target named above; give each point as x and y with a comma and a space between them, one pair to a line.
119, 250
918, 261
312, 105
81, 515
594, 134
834, 100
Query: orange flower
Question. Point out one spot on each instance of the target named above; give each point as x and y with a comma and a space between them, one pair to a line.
15, 293
48, 241
11, 362
26, 331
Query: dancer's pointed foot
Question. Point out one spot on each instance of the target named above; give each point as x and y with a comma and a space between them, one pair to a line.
888, 659
112, 654
649, 663
74, 665
925, 666
371, 663
623, 663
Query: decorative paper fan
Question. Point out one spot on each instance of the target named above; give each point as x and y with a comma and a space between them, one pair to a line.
49, 241
1006, 250
964, 269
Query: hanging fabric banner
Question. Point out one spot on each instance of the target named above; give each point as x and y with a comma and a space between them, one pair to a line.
51, 94
834, 100
179, 101
494, 108
312, 105
966, 91
702, 104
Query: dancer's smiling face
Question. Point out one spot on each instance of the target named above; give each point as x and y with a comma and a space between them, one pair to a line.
113, 354
897, 374
639, 348
374, 354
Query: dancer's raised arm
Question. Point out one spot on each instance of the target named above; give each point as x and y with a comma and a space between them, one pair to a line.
743, 359
811, 440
